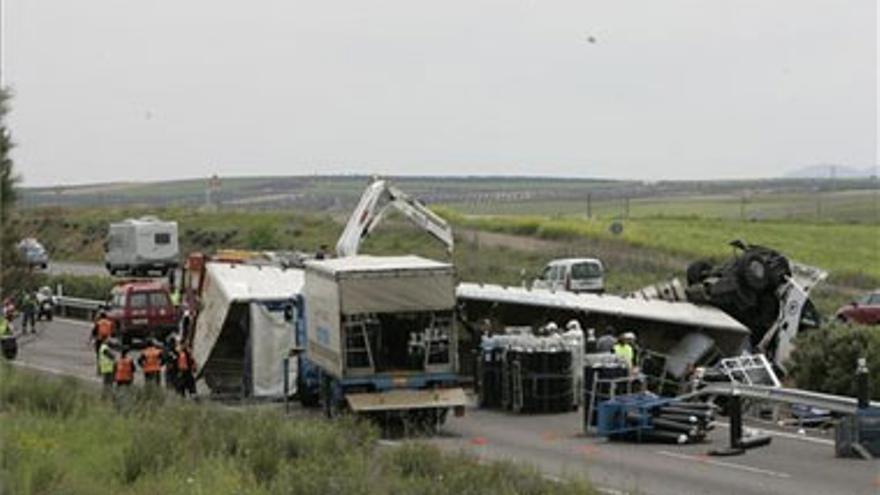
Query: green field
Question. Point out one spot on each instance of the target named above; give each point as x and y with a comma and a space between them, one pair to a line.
851, 252
60, 438
852, 206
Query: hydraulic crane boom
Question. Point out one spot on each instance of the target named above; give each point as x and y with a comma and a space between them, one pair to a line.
374, 205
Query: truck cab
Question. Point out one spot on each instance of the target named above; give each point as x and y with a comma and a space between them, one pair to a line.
573, 275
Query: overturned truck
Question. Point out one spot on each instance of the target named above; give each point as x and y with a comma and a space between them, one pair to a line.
757, 301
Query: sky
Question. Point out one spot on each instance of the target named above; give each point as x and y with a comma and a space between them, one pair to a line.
124, 90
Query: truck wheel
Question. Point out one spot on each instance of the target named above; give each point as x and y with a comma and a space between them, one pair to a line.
307, 397
754, 271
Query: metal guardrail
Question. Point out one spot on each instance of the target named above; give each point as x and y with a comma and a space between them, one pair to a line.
834, 403
76, 307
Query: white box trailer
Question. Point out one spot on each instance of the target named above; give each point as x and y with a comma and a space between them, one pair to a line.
381, 332
140, 245
246, 329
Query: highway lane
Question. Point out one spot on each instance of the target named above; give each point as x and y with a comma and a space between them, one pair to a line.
554, 444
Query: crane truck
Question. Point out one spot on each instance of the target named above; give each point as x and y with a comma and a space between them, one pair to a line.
380, 336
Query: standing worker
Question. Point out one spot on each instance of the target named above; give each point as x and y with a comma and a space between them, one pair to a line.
28, 312
105, 367
624, 348
124, 374
186, 367
102, 330
169, 360
151, 362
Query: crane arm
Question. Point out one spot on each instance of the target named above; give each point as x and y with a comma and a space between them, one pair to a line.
372, 208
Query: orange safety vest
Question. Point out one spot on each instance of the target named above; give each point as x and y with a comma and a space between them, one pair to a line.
152, 360
105, 328
124, 370
183, 361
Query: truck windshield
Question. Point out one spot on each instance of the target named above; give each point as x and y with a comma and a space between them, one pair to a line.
162, 238
586, 270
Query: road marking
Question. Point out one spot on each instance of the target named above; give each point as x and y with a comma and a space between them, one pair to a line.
792, 436
741, 467
54, 371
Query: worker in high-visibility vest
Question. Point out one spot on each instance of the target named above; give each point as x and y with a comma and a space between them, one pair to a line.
124, 370
175, 297
186, 368
5, 327
151, 362
102, 330
624, 348
106, 366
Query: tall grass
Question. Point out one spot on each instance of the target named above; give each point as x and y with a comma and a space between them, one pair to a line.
850, 251
59, 438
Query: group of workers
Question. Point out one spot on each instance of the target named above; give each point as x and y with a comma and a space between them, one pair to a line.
622, 345
118, 369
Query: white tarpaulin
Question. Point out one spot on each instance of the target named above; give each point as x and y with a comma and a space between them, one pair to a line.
272, 338
269, 336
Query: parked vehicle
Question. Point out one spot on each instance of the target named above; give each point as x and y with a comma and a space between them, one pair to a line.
573, 275
138, 246
865, 310
34, 253
46, 302
381, 335
141, 309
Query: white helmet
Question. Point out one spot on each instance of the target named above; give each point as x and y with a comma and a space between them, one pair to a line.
551, 327
573, 325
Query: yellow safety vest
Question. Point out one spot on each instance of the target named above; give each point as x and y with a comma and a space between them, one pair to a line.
4, 326
105, 363
625, 351
175, 298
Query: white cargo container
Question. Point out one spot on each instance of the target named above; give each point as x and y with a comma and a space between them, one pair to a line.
141, 245
381, 332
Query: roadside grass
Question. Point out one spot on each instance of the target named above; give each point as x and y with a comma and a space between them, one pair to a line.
59, 437
851, 252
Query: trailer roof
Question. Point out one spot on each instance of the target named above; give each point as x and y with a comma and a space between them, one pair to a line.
682, 313
241, 282
369, 264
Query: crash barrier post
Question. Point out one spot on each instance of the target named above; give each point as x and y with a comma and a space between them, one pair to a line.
738, 444
858, 435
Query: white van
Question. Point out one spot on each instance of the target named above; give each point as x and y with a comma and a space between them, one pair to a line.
140, 245
573, 275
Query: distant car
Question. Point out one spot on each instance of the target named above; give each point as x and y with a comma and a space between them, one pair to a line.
141, 309
573, 275
34, 253
865, 310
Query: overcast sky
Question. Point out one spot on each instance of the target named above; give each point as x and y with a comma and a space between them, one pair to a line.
651, 89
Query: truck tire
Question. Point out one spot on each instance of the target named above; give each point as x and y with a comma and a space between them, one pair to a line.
307, 396
754, 271
328, 402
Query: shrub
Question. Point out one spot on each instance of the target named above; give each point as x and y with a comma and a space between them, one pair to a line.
824, 360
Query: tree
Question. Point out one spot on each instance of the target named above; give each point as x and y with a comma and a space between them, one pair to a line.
12, 272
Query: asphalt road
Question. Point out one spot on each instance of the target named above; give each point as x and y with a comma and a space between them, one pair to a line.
792, 464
